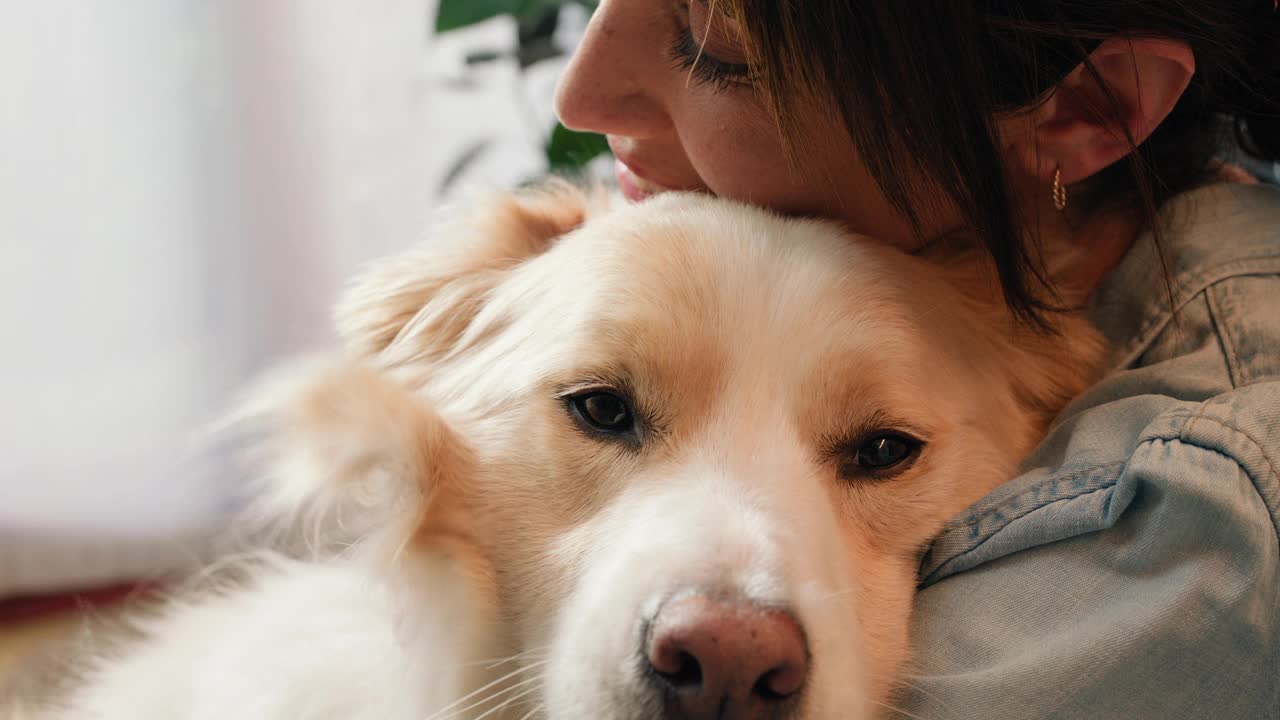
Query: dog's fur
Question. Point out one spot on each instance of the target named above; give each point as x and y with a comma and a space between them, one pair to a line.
501, 563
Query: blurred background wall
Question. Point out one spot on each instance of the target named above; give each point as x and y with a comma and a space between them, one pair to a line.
184, 186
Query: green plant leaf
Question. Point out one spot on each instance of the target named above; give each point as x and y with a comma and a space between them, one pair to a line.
454, 14
569, 150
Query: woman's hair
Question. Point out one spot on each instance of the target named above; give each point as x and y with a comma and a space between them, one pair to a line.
919, 84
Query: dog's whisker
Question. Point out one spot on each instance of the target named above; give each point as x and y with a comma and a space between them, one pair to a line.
495, 694
532, 652
496, 662
906, 683
896, 709
516, 691
532, 713
451, 706
838, 593
398, 554
508, 702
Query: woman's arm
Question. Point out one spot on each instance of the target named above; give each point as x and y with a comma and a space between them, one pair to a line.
1150, 589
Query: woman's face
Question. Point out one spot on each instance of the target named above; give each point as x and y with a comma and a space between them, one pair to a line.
679, 124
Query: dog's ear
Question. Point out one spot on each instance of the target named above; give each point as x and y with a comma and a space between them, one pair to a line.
436, 290
351, 456
1048, 366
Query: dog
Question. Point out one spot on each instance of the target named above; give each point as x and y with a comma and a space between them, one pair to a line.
672, 460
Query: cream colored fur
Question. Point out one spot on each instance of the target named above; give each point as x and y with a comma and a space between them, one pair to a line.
485, 525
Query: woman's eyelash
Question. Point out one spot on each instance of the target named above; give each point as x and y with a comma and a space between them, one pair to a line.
688, 55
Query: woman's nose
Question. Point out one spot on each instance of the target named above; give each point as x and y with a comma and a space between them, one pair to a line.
614, 80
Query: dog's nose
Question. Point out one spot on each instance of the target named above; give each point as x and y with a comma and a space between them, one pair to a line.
722, 657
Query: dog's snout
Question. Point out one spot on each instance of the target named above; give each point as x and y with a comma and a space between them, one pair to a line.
725, 657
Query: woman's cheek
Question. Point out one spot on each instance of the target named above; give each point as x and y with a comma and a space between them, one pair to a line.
738, 156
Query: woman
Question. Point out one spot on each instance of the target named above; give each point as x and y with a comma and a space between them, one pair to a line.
1133, 570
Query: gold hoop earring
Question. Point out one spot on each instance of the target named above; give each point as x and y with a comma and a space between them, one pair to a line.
1059, 191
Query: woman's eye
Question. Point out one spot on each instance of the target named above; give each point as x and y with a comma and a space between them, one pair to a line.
689, 53
603, 411
882, 453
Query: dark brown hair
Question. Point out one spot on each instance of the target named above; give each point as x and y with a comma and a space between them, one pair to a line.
918, 84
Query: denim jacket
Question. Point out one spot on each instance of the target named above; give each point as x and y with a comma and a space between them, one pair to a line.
1133, 569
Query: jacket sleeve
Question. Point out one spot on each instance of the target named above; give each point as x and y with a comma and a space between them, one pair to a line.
1151, 592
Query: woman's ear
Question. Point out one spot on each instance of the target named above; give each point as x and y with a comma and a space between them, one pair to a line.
433, 293
1127, 88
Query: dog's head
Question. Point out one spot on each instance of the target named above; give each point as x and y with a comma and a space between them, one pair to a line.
711, 442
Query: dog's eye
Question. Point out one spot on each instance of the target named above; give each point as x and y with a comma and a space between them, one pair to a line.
603, 411
883, 452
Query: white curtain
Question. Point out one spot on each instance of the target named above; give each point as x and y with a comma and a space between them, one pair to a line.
184, 185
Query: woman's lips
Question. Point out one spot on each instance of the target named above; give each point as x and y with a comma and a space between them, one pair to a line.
635, 188
633, 179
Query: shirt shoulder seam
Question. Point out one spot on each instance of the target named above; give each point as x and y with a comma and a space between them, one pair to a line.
1226, 339
1187, 287
1271, 469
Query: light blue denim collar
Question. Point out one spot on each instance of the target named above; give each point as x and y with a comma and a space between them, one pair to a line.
1212, 233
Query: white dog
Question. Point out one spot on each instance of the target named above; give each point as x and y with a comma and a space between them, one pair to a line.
676, 460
